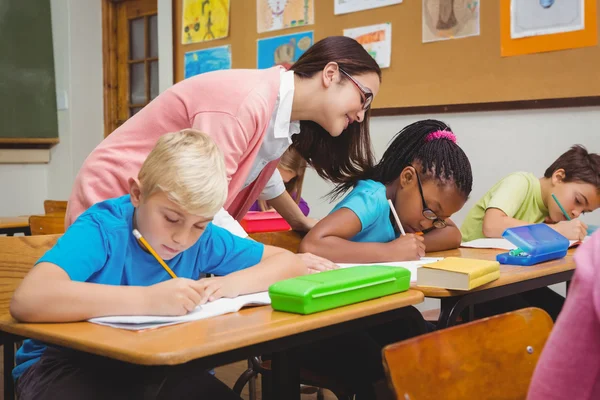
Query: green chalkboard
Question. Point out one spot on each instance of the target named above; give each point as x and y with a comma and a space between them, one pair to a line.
27, 82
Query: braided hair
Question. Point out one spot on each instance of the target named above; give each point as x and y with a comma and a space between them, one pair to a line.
432, 145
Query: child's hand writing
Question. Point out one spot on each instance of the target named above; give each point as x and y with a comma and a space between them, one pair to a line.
407, 247
572, 230
176, 296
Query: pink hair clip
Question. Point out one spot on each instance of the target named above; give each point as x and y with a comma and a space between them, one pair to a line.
441, 135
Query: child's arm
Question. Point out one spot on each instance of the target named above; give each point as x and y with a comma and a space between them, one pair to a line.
495, 222
443, 239
330, 238
275, 265
291, 212
47, 294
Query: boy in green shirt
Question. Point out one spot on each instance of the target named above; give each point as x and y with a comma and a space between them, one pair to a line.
523, 199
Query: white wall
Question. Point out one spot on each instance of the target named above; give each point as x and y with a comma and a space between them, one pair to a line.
77, 40
497, 143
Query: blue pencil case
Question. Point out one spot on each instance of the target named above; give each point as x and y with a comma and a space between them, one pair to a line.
538, 243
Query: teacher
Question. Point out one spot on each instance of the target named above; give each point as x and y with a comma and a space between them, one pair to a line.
319, 107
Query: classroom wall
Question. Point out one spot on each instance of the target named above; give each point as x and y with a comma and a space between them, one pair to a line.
77, 39
497, 143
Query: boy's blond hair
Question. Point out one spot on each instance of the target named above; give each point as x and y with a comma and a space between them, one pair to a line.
189, 168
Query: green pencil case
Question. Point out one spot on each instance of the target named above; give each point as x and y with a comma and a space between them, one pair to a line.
330, 289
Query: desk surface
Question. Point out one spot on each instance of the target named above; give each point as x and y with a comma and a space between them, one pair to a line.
14, 222
508, 274
184, 342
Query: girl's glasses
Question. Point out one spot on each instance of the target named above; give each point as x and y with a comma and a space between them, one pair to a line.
366, 94
428, 212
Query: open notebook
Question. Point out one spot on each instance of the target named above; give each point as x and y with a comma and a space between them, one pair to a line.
502, 244
212, 309
412, 266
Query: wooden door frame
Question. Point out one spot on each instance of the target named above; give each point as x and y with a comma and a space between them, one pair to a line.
109, 62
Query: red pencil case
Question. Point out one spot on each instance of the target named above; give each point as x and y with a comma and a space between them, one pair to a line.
264, 221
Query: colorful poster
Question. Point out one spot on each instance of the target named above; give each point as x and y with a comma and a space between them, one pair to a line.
204, 20
282, 50
376, 39
349, 6
545, 17
450, 19
206, 60
272, 15
549, 30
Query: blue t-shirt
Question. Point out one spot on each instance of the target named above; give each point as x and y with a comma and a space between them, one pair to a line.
368, 201
100, 248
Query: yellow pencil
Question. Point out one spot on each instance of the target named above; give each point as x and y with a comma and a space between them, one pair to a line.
139, 237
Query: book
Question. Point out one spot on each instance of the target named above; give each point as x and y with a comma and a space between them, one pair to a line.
208, 310
458, 273
412, 266
503, 244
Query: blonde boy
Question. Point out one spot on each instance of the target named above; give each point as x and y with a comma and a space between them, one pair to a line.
98, 268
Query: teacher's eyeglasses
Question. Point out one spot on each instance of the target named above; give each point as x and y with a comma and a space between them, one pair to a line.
365, 93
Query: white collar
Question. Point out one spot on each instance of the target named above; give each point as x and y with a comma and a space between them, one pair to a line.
283, 127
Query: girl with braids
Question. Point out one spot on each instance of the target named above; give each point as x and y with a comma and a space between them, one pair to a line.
427, 177
320, 107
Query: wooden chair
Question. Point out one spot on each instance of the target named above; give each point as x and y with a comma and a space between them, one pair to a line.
17, 255
55, 206
492, 358
47, 224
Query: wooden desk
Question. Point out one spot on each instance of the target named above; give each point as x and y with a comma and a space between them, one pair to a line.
513, 280
11, 225
221, 340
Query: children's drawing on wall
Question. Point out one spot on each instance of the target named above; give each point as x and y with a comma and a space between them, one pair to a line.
204, 20
450, 19
350, 6
272, 15
206, 60
282, 50
546, 17
376, 39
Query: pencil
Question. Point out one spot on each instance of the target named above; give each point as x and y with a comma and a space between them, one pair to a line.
561, 207
139, 237
396, 217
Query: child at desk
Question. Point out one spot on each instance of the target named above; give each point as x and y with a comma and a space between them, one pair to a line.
522, 199
291, 169
99, 268
426, 175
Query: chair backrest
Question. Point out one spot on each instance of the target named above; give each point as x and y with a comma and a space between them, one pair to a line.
55, 206
289, 240
47, 224
492, 358
18, 254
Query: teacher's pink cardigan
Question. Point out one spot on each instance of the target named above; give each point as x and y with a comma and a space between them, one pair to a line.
234, 107
569, 367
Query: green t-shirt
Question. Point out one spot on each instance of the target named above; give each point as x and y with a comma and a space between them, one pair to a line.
519, 195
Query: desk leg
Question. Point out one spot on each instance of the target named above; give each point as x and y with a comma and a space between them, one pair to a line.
9, 363
451, 308
286, 375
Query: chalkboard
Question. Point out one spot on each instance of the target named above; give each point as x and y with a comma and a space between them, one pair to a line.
27, 83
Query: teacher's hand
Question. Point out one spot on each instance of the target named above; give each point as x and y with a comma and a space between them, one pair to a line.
316, 264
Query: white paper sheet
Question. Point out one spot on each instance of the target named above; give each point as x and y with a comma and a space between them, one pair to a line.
412, 266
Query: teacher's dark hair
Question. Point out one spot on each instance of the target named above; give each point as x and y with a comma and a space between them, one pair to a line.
336, 159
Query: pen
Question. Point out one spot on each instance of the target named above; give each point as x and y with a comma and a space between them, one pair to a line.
396, 217
561, 207
139, 237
